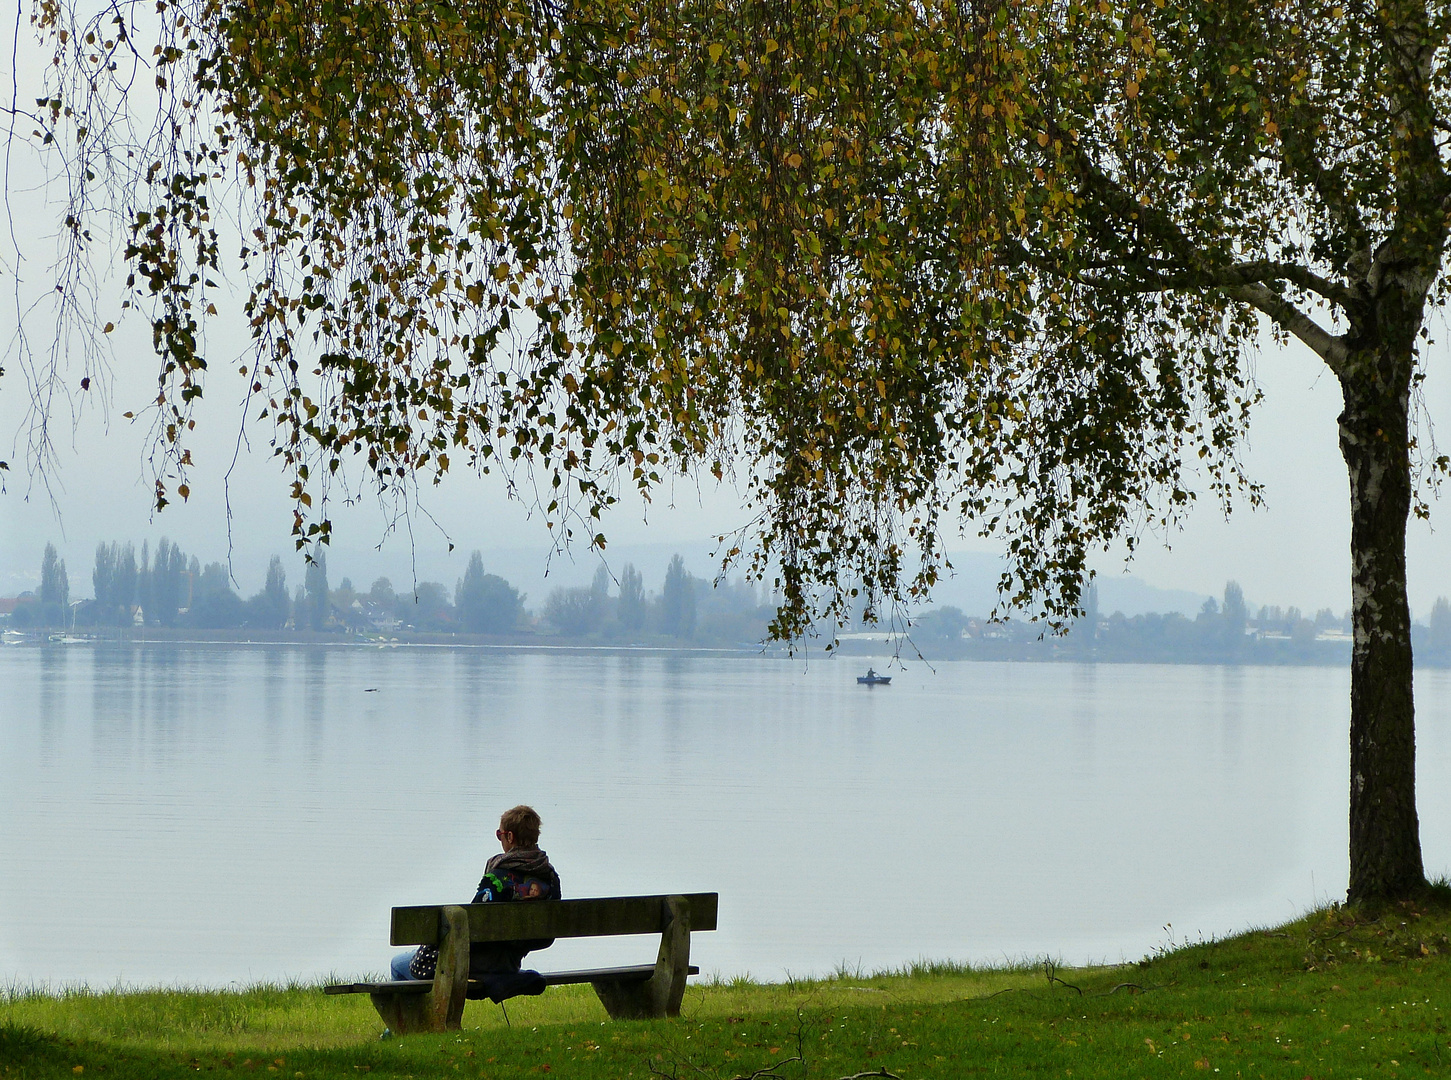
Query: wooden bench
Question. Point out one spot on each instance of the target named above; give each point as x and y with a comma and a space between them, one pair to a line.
628, 993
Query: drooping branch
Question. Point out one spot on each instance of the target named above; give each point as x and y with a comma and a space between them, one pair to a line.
1329, 347
1249, 282
1172, 279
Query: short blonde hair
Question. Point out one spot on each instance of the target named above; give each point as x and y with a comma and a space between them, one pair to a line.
523, 822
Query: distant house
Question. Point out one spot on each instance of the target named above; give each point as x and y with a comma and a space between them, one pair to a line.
10, 606
375, 615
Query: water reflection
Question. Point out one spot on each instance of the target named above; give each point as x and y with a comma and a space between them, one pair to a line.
292, 795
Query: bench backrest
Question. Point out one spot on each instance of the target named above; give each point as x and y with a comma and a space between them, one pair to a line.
526, 919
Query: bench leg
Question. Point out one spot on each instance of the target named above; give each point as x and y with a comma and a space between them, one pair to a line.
442, 1008
661, 994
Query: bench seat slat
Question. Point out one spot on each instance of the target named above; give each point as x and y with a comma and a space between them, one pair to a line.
409, 986
596, 917
633, 973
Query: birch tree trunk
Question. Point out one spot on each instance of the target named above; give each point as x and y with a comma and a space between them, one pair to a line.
1385, 845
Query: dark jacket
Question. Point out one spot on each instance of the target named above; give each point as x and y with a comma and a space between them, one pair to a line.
521, 874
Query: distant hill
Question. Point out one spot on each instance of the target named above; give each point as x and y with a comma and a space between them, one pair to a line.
973, 588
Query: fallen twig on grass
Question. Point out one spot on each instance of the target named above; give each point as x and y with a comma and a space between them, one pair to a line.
769, 1072
1050, 969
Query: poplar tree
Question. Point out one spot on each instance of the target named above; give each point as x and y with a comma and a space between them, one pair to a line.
677, 601
317, 605
103, 583
486, 603
124, 595
269, 608
55, 589
631, 604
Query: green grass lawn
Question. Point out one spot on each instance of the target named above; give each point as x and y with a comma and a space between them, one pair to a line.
1335, 994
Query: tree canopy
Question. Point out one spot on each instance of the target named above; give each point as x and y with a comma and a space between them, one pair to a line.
618, 242
892, 267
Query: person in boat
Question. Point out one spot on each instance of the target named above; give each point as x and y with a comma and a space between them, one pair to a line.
871, 673
521, 871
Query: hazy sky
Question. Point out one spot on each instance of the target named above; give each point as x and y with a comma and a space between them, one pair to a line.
1292, 552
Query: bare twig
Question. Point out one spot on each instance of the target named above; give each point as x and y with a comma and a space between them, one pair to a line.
769, 1071
1050, 969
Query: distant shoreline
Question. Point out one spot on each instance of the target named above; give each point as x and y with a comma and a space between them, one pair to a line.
190, 636
1270, 653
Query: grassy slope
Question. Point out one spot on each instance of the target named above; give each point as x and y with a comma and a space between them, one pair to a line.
1330, 995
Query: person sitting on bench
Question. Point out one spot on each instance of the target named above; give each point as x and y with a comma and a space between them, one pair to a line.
521, 872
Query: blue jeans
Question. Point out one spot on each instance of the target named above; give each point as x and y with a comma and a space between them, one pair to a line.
493, 958
399, 967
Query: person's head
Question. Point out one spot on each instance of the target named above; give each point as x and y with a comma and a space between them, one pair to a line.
519, 828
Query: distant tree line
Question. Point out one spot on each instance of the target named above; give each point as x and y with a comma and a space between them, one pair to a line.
166, 588
1224, 632
686, 609
1432, 642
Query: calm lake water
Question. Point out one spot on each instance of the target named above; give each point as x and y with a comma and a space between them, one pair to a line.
214, 815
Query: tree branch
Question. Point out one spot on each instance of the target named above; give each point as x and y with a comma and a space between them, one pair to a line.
1243, 281
1327, 346
1196, 272
1300, 276
1232, 279
1260, 272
